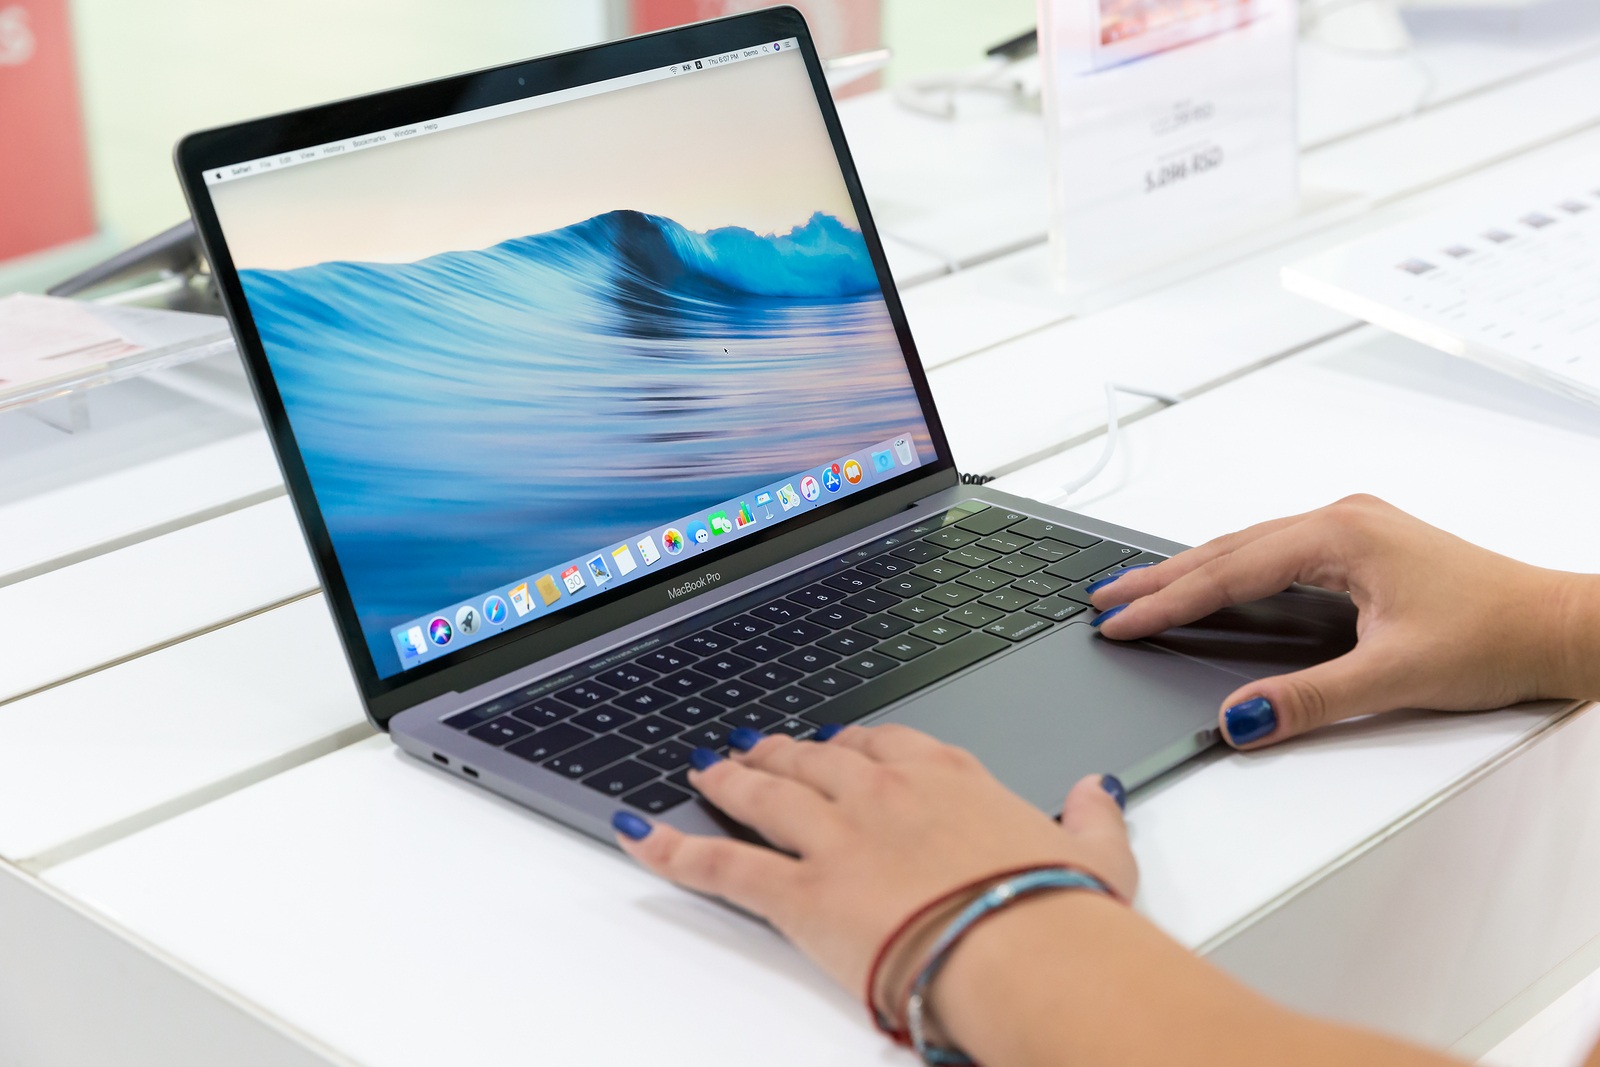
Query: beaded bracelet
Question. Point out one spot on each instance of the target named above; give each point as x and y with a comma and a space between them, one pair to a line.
991, 902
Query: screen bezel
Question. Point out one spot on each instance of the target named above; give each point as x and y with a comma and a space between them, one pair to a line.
528, 643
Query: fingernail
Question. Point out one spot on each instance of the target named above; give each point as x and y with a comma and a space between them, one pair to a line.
826, 732
1250, 721
1108, 579
631, 826
1104, 615
743, 738
701, 758
1113, 785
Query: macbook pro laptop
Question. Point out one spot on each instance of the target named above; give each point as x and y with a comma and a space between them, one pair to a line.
608, 435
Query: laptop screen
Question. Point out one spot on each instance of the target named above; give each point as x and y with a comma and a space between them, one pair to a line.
535, 352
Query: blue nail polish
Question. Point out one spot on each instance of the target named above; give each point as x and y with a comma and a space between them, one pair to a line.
1104, 615
744, 739
1108, 579
701, 758
826, 732
1250, 721
630, 825
1113, 785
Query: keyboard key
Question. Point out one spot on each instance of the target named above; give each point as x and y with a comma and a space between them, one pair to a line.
680, 779
656, 799
724, 665
1004, 544
771, 676
669, 756
792, 727
872, 600
501, 731
940, 632
989, 520
918, 610
1039, 529
952, 538
602, 719
685, 682
1041, 584
791, 700
667, 659
951, 595
986, 580
907, 647
586, 694
817, 596
706, 642
743, 627
483, 713
1017, 564
872, 664
762, 649
1078, 591
643, 701
1008, 599
799, 633
810, 659
651, 730
1049, 551
754, 716
909, 678
851, 581
549, 742
1091, 561
1018, 627
779, 611
846, 642
1056, 608
973, 556
590, 757
693, 712
712, 735
906, 585
623, 778
732, 694
886, 625
941, 571
975, 615
628, 677
837, 617
919, 552
542, 713
887, 566
831, 682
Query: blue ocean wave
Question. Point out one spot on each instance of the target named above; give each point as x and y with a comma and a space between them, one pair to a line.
478, 415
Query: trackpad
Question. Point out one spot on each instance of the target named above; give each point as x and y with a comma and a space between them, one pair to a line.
1074, 703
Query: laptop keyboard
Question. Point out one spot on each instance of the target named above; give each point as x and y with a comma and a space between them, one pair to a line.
829, 645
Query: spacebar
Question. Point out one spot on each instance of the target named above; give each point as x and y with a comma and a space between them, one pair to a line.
906, 679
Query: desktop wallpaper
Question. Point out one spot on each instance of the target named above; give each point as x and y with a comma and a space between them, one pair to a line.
516, 342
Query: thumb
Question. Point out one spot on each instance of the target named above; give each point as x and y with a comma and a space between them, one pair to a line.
1092, 815
1360, 682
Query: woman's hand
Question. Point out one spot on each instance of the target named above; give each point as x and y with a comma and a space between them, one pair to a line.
1443, 624
878, 821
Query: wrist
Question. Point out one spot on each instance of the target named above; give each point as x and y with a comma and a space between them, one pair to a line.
1573, 636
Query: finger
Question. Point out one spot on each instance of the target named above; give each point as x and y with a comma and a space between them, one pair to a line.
1255, 570
828, 768
1132, 584
888, 743
1360, 682
1092, 815
788, 813
749, 876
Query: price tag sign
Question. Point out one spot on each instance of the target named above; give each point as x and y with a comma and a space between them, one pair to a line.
1171, 127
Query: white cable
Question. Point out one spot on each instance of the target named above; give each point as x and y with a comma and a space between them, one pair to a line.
1113, 433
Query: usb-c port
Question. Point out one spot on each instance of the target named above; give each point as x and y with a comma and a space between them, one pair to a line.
437, 758
468, 771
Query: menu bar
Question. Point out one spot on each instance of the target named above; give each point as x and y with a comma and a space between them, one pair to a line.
266, 164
